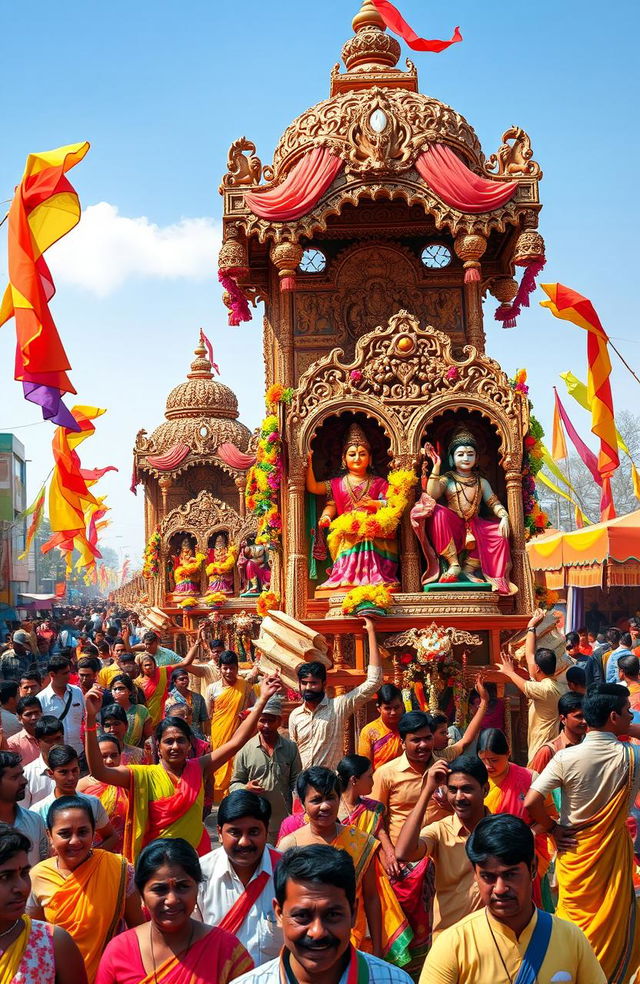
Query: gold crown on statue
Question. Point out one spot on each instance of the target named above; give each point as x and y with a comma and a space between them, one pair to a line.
462, 438
355, 436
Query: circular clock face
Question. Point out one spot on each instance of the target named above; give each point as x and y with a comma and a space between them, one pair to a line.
436, 256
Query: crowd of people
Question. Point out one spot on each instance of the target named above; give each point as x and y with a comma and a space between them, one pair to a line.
160, 825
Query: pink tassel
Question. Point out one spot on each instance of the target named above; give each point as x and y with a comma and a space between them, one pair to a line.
239, 305
508, 313
287, 283
471, 275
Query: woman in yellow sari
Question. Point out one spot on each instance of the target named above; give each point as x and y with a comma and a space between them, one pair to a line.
355, 773
376, 905
226, 701
114, 799
154, 680
31, 950
87, 891
380, 740
166, 800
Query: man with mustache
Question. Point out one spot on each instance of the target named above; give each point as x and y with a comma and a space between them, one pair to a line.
315, 899
509, 939
318, 726
237, 891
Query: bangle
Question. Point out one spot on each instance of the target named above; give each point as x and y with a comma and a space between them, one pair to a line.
530, 628
95, 728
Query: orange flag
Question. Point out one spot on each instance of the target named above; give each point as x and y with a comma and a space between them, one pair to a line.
45, 208
558, 443
568, 305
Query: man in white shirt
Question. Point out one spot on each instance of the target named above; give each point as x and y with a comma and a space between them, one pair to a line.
65, 701
48, 732
237, 891
315, 898
317, 727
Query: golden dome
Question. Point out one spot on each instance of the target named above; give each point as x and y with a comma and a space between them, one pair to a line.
201, 413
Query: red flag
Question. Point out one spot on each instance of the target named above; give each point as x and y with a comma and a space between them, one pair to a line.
395, 22
61, 587
586, 454
209, 348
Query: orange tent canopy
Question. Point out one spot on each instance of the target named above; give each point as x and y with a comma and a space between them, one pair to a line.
580, 558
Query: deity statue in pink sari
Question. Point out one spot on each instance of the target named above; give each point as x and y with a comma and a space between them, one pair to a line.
356, 560
474, 549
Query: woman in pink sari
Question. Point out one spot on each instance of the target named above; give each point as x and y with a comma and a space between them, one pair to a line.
173, 948
508, 786
356, 561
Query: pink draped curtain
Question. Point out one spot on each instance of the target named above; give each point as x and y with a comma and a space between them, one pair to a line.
235, 458
171, 458
457, 185
303, 187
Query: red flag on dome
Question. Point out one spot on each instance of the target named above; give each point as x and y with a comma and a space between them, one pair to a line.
209, 347
395, 22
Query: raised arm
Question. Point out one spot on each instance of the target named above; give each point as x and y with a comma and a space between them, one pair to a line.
365, 691
312, 484
475, 724
114, 776
409, 846
506, 666
530, 644
249, 727
187, 662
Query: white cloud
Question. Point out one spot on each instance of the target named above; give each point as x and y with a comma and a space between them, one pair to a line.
107, 248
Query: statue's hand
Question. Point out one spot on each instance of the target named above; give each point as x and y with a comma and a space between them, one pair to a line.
324, 522
433, 456
369, 505
503, 528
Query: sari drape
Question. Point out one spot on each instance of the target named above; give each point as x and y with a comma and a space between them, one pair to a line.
378, 743
160, 806
595, 883
218, 957
155, 690
12, 957
509, 797
367, 816
115, 801
228, 705
396, 934
88, 903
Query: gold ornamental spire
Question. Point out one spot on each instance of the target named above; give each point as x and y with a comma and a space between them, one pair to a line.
200, 367
368, 16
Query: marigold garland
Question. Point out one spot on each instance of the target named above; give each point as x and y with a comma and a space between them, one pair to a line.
358, 525
265, 477
151, 556
186, 571
215, 598
266, 602
188, 602
218, 567
545, 598
535, 518
374, 595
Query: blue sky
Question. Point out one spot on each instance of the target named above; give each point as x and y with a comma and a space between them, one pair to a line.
160, 90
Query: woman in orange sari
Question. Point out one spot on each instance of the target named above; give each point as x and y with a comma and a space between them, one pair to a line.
355, 773
173, 948
166, 800
376, 905
508, 786
154, 680
227, 699
380, 741
87, 891
114, 799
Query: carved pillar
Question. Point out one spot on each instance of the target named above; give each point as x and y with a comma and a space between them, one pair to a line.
520, 572
165, 484
475, 321
409, 556
296, 573
241, 482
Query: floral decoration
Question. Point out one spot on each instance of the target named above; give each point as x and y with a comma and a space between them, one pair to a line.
545, 598
218, 567
452, 373
535, 518
215, 599
187, 571
266, 602
356, 375
265, 477
151, 556
359, 525
368, 596
434, 667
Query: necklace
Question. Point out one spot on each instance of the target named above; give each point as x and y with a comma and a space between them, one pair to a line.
355, 495
495, 943
11, 928
180, 953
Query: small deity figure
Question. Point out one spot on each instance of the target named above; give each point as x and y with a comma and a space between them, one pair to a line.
253, 565
474, 549
358, 559
186, 568
222, 560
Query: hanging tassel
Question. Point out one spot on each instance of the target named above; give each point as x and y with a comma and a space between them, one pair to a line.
239, 305
471, 272
287, 283
508, 313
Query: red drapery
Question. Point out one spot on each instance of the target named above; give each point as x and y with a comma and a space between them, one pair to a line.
233, 456
171, 458
301, 189
458, 186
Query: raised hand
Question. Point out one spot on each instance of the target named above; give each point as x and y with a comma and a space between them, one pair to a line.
270, 686
537, 617
93, 700
481, 689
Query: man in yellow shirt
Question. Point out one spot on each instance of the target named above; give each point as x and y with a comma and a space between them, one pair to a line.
467, 783
509, 940
541, 688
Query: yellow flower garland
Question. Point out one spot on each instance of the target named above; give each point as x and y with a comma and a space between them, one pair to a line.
359, 525
377, 595
223, 566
